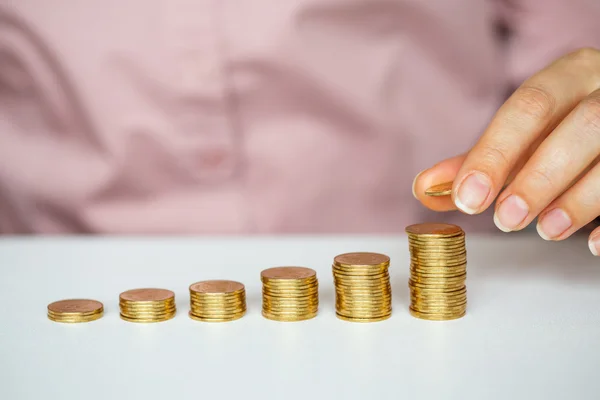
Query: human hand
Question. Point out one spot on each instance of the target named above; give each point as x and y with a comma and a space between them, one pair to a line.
539, 156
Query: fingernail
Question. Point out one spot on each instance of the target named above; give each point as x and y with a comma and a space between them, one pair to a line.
472, 192
553, 224
595, 245
415, 184
511, 213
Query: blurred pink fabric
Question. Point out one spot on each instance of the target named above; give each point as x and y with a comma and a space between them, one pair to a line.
262, 116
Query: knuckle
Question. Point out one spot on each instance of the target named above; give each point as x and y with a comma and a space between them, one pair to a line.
534, 102
541, 178
495, 157
590, 115
586, 59
585, 55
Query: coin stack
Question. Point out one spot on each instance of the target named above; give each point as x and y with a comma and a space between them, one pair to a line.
290, 293
217, 301
147, 305
362, 287
75, 310
438, 271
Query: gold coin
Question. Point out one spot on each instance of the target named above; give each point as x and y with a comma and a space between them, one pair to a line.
372, 319
298, 299
147, 307
284, 307
437, 280
287, 273
365, 259
364, 286
75, 319
364, 312
217, 314
288, 317
442, 189
75, 310
147, 320
364, 297
437, 241
147, 295
285, 288
216, 287
75, 306
52, 314
227, 318
434, 229
436, 316
218, 302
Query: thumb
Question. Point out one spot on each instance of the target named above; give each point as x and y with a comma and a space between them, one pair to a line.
442, 172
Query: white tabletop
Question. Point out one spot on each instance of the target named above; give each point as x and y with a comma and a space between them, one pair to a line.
532, 328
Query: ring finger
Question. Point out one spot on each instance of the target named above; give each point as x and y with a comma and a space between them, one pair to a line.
558, 161
577, 207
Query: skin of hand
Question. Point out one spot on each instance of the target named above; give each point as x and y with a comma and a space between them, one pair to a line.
539, 156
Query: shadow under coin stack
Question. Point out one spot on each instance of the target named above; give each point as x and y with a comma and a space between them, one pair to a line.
75, 310
290, 293
147, 305
438, 271
217, 301
362, 287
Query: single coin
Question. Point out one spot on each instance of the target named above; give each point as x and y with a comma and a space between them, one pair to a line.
374, 272
216, 286
75, 306
215, 299
75, 315
435, 317
443, 189
136, 295
288, 273
217, 314
228, 318
437, 229
274, 288
147, 320
361, 259
218, 306
288, 318
293, 291
364, 312
372, 319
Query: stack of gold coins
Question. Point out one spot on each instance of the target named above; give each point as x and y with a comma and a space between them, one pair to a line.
147, 305
217, 301
75, 310
438, 271
290, 293
362, 287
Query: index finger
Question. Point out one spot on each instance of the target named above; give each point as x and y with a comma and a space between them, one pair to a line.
532, 111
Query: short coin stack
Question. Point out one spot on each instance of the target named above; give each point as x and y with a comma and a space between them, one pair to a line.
147, 305
362, 287
75, 310
290, 293
217, 301
438, 271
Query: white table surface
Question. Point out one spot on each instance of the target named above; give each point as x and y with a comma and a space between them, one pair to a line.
532, 328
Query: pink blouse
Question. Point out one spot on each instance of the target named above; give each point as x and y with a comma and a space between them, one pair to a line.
253, 116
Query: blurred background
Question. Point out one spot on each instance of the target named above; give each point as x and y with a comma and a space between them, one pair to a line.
270, 116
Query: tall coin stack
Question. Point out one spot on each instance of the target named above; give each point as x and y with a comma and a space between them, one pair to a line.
290, 293
438, 271
362, 287
217, 301
75, 310
147, 305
